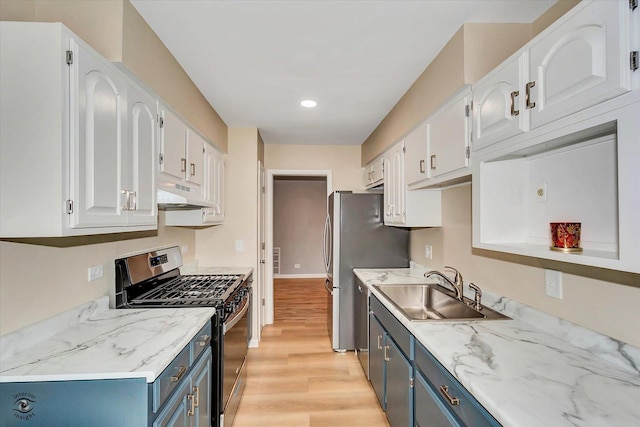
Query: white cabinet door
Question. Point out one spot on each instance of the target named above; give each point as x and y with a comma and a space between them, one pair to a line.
96, 149
449, 138
580, 63
173, 136
195, 158
141, 157
498, 104
377, 171
218, 195
214, 184
394, 186
417, 153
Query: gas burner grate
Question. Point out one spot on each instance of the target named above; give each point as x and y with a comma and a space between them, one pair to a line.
191, 290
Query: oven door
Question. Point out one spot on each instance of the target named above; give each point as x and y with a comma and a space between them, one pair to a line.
235, 346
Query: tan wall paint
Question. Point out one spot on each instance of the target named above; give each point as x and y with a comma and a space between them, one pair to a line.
147, 57
215, 246
18, 10
342, 161
39, 280
552, 15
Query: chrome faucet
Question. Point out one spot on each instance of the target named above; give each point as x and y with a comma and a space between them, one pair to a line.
456, 284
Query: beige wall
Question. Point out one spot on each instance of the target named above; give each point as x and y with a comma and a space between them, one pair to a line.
552, 15
342, 161
117, 31
47, 276
215, 246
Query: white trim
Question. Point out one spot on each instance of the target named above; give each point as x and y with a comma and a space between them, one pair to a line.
299, 276
271, 173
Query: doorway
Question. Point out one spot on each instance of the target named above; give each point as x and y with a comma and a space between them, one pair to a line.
294, 269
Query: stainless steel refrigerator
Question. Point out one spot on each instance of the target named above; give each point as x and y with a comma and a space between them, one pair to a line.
355, 237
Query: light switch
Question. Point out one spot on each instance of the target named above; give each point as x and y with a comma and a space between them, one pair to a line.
96, 272
428, 251
239, 246
553, 283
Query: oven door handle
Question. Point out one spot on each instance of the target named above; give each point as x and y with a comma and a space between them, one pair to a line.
236, 318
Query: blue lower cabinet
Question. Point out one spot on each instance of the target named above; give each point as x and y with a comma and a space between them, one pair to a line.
201, 384
96, 403
176, 411
376, 359
399, 386
429, 409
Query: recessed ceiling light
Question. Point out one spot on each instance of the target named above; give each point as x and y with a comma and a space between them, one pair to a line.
308, 103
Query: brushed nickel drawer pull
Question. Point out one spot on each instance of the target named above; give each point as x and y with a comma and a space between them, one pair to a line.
386, 354
514, 94
196, 392
205, 340
183, 165
379, 344
192, 407
454, 401
193, 169
528, 95
433, 161
421, 166
181, 371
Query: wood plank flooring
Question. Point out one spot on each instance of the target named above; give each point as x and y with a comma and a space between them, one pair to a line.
295, 379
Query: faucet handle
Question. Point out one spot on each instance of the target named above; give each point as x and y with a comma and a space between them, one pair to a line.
477, 298
458, 277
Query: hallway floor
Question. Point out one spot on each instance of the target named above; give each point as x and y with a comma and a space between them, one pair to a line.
294, 378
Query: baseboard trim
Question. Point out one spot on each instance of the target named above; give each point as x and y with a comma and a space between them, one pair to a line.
299, 276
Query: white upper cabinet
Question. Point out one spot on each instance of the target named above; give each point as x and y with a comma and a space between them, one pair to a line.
416, 155
70, 161
580, 63
173, 140
498, 106
194, 158
449, 137
403, 207
373, 173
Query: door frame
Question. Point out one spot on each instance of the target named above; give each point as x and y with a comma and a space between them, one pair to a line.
271, 174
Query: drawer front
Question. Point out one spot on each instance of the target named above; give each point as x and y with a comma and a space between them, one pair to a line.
398, 332
468, 410
170, 378
200, 342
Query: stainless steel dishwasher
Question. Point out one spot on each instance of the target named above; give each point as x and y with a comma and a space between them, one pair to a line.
361, 326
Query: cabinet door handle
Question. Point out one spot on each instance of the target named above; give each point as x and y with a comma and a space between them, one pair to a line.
386, 354
422, 166
528, 95
389, 209
433, 162
181, 371
453, 401
193, 169
183, 165
514, 94
379, 343
133, 199
192, 405
196, 392
205, 340
125, 206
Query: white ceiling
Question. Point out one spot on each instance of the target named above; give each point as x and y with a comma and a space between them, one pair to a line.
255, 61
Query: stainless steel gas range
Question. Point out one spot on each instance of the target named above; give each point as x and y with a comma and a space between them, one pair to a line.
153, 279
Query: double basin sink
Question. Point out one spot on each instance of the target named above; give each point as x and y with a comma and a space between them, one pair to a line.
431, 302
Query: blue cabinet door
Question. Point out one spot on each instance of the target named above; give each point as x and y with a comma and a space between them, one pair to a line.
201, 389
376, 359
398, 386
429, 409
174, 413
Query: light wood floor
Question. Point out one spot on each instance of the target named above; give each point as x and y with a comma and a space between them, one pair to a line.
294, 378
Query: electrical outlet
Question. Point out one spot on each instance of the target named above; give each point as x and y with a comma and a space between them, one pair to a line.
553, 283
428, 251
541, 192
296, 265
96, 272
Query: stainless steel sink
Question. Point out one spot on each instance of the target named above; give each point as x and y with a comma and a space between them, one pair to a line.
433, 303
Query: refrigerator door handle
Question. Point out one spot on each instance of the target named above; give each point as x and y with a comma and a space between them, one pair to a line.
327, 282
324, 241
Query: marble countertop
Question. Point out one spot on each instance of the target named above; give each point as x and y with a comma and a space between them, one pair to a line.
554, 373
95, 342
